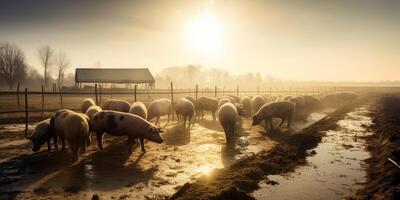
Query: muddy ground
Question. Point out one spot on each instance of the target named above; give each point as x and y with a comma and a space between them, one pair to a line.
113, 174
242, 178
383, 176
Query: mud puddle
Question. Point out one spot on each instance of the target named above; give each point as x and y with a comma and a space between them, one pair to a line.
335, 171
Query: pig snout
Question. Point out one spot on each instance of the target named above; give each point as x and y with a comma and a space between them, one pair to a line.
159, 139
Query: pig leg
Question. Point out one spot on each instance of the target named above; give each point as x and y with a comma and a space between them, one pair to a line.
226, 134
289, 121
158, 120
48, 144
89, 138
130, 144
232, 133
83, 144
190, 120
142, 144
266, 125
62, 142
74, 152
55, 142
184, 121
213, 114
99, 137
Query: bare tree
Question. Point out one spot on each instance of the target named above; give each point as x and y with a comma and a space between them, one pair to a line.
46, 58
62, 63
12, 64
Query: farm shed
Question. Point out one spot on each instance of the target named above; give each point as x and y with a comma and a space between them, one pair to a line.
126, 76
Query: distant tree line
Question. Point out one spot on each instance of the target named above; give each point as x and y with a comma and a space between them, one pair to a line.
14, 69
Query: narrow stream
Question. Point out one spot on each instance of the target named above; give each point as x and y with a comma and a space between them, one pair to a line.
334, 172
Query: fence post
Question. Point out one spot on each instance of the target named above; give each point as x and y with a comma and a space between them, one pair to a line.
135, 92
26, 112
237, 90
148, 93
18, 95
297, 91
258, 89
270, 91
99, 93
172, 101
95, 93
42, 101
197, 90
215, 91
111, 91
61, 99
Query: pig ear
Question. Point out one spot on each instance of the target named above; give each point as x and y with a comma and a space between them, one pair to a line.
160, 130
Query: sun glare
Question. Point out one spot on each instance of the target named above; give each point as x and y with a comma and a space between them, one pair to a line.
203, 34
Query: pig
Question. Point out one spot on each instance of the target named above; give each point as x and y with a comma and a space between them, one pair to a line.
208, 104
86, 103
223, 101
116, 105
281, 109
286, 98
158, 108
338, 98
256, 103
191, 99
125, 124
89, 114
185, 110
235, 98
43, 133
246, 103
311, 103
92, 110
74, 128
138, 108
227, 116
301, 112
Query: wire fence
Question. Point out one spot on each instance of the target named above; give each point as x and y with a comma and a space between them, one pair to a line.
45, 101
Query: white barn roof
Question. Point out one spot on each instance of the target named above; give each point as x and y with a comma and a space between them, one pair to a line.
113, 75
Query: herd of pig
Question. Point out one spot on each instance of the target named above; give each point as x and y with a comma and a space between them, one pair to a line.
119, 118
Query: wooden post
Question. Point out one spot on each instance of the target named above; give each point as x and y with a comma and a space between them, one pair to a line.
172, 101
26, 112
135, 92
197, 91
237, 90
258, 89
270, 91
42, 101
95, 93
215, 91
18, 95
61, 99
100, 93
111, 91
148, 93
297, 91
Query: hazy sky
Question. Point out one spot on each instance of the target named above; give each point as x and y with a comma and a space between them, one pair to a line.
324, 40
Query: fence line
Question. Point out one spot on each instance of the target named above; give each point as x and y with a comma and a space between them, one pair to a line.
168, 92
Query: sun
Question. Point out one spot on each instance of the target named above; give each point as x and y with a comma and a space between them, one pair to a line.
204, 34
